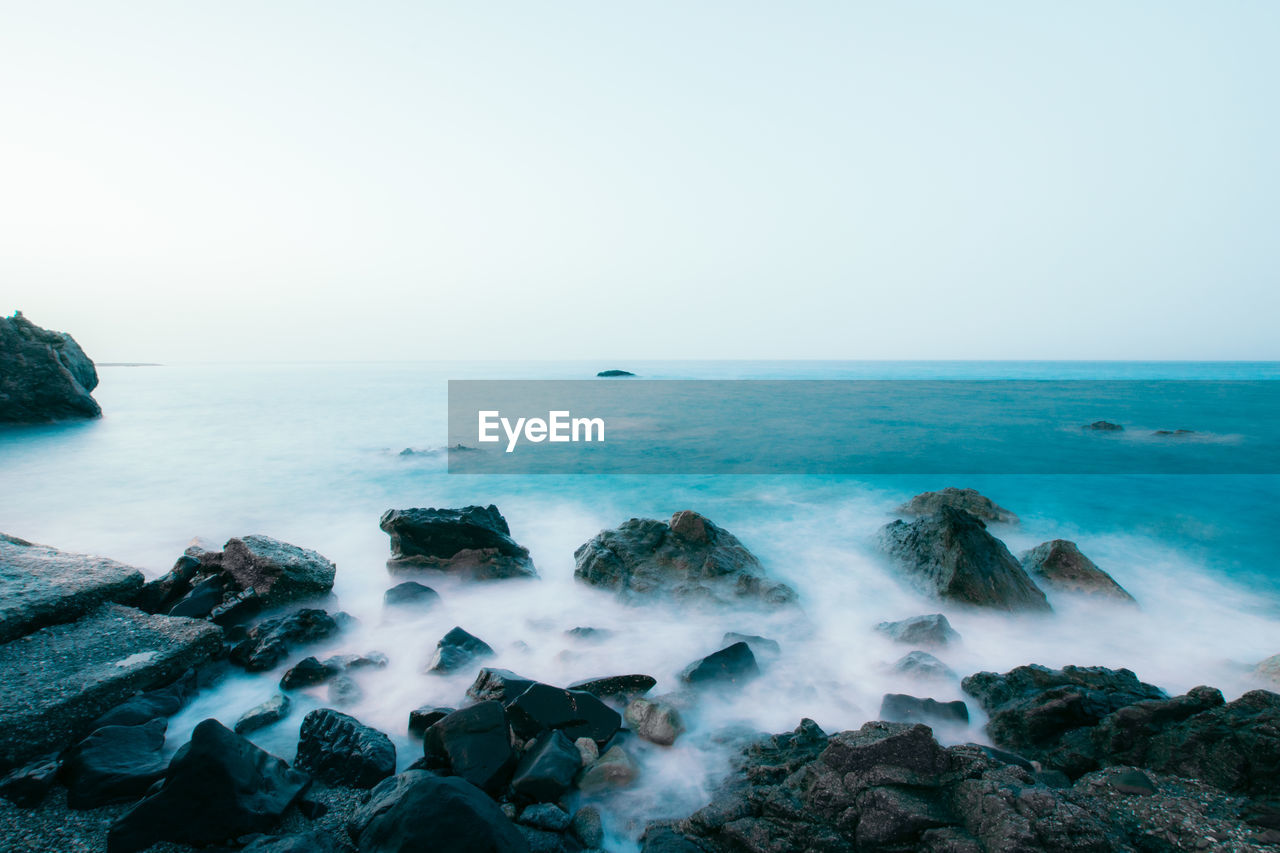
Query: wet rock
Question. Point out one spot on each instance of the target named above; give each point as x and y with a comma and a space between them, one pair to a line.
418, 810
316, 841
159, 595
546, 816
411, 594
546, 771
1174, 432
577, 714
61, 678
344, 691
473, 542
901, 708
340, 750
968, 500
236, 608
307, 672
732, 665
1060, 565
277, 571
589, 634
201, 600
218, 787
760, 646
457, 649
260, 716
500, 684
588, 751
614, 769
689, 558
624, 686
44, 375
27, 786
922, 665
150, 704
42, 586
371, 660
654, 720
952, 556
588, 827
1104, 426
931, 631
269, 642
425, 717
614, 373
115, 764
475, 744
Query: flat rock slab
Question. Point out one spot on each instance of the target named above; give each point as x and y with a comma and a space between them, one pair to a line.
42, 586
58, 680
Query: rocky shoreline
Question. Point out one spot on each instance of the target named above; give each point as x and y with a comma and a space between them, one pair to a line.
1077, 759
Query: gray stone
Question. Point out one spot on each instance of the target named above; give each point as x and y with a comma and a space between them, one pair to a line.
969, 500
654, 720
260, 716
61, 678
588, 826
344, 691
473, 542
919, 664
546, 816
1060, 565
42, 586
930, 630
44, 375
614, 769
277, 571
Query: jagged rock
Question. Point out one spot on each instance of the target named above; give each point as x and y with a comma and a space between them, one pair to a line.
624, 686
952, 556
932, 631
1104, 426
473, 542
475, 744
901, 708
44, 375
27, 786
425, 717
307, 672
411, 594
654, 720
547, 769
689, 558
269, 642
923, 665
341, 750
316, 841
577, 714
1060, 565
260, 716
457, 649
418, 810
218, 787
731, 665
41, 586
277, 571
61, 678
115, 764
150, 704
969, 500
614, 769
500, 684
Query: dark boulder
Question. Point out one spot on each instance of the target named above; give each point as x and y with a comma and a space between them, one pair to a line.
202, 599
923, 665
268, 643
277, 571
969, 500
260, 716
419, 811
473, 542
1104, 426
689, 558
307, 672
218, 787
901, 708
931, 631
411, 594
500, 684
115, 764
340, 750
26, 786
475, 744
547, 769
1060, 565
760, 646
425, 717
44, 375
150, 704
952, 556
542, 707
623, 686
457, 649
731, 665
158, 595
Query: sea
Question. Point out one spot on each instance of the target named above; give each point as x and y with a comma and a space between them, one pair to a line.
314, 453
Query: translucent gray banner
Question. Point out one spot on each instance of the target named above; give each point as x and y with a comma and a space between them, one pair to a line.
864, 427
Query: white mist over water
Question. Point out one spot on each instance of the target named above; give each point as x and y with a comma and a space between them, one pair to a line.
310, 455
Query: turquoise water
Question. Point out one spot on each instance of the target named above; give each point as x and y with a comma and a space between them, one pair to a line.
312, 454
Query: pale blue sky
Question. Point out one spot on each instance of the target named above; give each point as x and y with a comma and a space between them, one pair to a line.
245, 180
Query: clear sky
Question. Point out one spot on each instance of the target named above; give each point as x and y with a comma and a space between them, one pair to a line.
370, 181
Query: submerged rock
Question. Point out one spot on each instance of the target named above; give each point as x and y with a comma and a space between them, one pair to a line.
969, 500
341, 750
411, 594
268, 643
1059, 564
218, 787
951, 555
277, 571
931, 630
44, 375
307, 672
115, 764
920, 664
260, 716
1104, 426
731, 665
688, 558
473, 542
457, 649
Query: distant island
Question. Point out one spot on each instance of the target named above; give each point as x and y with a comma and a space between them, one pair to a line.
609, 373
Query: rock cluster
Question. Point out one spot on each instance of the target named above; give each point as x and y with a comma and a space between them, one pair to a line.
473, 542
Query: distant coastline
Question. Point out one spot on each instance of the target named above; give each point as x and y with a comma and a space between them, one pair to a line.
129, 364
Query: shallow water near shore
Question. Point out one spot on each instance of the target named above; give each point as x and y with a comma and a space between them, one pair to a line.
311, 454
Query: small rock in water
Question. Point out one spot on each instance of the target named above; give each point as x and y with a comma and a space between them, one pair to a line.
588, 751
625, 686
1174, 432
614, 769
150, 704
473, 542
919, 664
372, 660
1104, 426
654, 720
457, 649
588, 826
545, 816
500, 684
341, 750
1060, 564
929, 630
734, 664
901, 708
411, 594
260, 716
344, 691
425, 717
267, 643
760, 646
587, 633
306, 673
